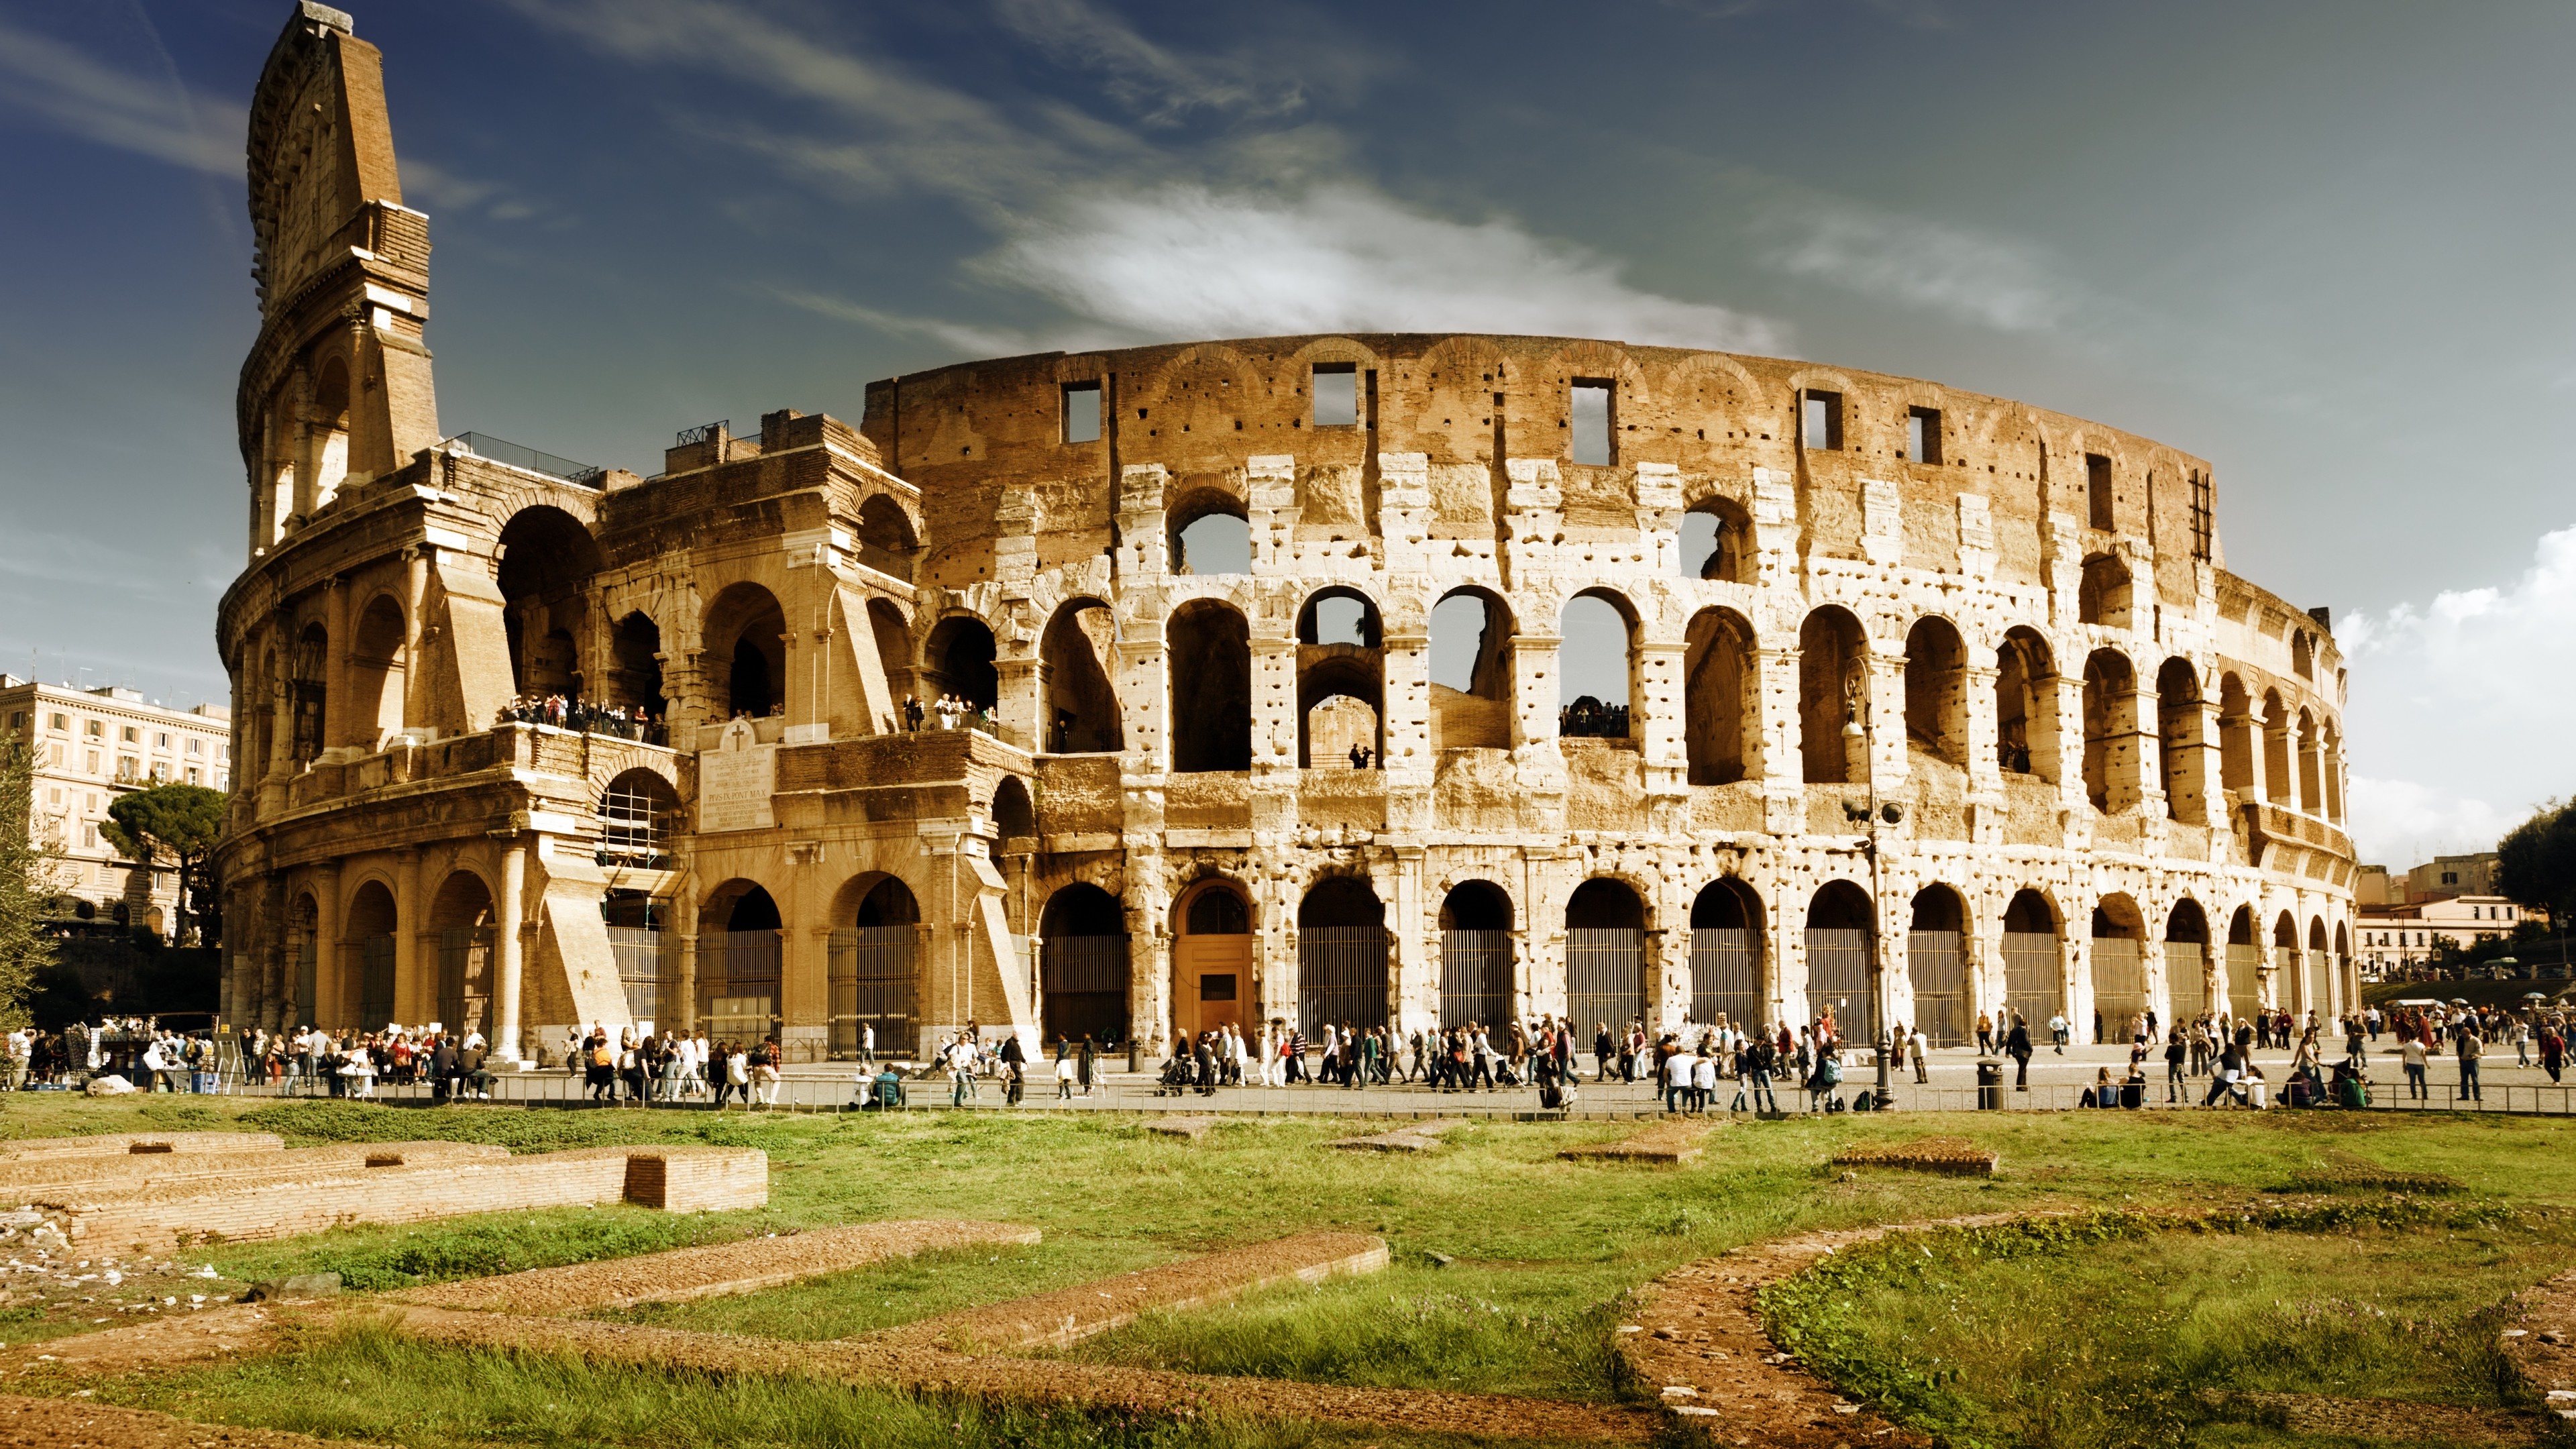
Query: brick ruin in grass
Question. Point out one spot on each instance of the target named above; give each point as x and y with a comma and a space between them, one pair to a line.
1952, 1156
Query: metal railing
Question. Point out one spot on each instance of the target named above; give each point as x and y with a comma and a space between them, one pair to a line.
516, 455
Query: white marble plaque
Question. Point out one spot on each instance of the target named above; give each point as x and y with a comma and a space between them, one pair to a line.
735, 781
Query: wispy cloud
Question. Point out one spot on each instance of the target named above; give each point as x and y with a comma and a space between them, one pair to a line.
1155, 82
1990, 281
1185, 261
977, 341
66, 89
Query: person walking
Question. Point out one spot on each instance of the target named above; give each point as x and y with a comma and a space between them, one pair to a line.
1985, 1035
2058, 1030
2411, 1053
2017, 1047
2175, 1054
2470, 1049
1922, 1047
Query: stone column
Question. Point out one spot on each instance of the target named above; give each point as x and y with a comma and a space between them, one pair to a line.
2063, 734
509, 950
1535, 685
1656, 713
1985, 762
415, 589
335, 669
1883, 685
411, 993
327, 1006
1021, 710
1407, 723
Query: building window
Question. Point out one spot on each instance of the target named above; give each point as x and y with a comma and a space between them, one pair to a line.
18, 721
2097, 491
1337, 395
94, 729
192, 775
93, 762
1821, 419
54, 796
1922, 435
160, 740
54, 756
130, 735
128, 768
1595, 414
1082, 412
89, 837
61, 723
196, 747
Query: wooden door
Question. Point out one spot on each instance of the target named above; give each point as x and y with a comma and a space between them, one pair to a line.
1211, 982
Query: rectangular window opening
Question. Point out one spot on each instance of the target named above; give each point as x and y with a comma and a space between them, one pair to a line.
2097, 491
2203, 520
1594, 420
1337, 395
1082, 412
1821, 420
1923, 435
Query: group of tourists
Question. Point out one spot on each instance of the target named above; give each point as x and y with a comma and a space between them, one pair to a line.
571, 713
309, 1061
948, 712
650, 1067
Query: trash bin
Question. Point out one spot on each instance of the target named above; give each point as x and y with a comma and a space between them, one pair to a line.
1990, 1085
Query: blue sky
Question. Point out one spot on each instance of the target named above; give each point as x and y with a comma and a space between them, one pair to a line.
2323, 245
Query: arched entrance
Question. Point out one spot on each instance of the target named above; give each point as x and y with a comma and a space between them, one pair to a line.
1838, 977
1341, 957
873, 978
1717, 667
1936, 965
1726, 956
1341, 691
2320, 975
743, 633
1475, 955
1605, 957
1212, 961
367, 1002
2287, 962
1208, 651
738, 963
1471, 672
2187, 962
1831, 658
958, 661
2119, 971
462, 918
2034, 983
1082, 966
1076, 657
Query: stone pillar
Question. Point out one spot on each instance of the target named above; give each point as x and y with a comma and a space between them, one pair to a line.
1535, 686
1771, 754
1883, 683
1985, 737
1021, 711
2280, 775
509, 950
336, 713
2063, 698
1656, 713
1407, 723
327, 1005
1276, 719
415, 683
412, 994
2141, 754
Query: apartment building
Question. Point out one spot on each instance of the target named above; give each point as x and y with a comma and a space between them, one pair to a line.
92, 745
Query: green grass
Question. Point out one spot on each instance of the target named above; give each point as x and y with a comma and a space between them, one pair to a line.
2106, 1329
848, 1304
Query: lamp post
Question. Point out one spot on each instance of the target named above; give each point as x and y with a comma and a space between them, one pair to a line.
1857, 724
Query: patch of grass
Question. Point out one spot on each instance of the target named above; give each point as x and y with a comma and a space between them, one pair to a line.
378, 1259
2102, 1329
888, 1294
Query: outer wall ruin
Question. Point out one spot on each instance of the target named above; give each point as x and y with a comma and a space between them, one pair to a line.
2109, 772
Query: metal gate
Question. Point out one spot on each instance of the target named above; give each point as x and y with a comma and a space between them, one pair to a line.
872, 984
1341, 977
2186, 980
2244, 982
1838, 977
2321, 988
1936, 962
738, 984
375, 983
464, 978
1605, 977
1083, 986
2119, 988
2033, 983
1475, 978
638, 952
1726, 979
307, 975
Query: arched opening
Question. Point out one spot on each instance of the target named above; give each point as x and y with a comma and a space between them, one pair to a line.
1717, 696
2034, 981
1475, 955
635, 674
2187, 962
1341, 957
309, 695
957, 663
639, 817
2102, 596
1083, 966
874, 972
738, 963
304, 955
1213, 960
326, 464
1717, 542
543, 567
2237, 745
1015, 818
461, 916
2312, 793
2330, 771
746, 652
367, 997
2278, 782
2244, 965
1595, 666
1208, 656
1471, 672
2303, 654
633, 921
1936, 691
1726, 956
1936, 964
2178, 730
2320, 974
2110, 731
1605, 957
1831, 656
2026, 706
1341, 691
1210, 534
377, 665
1077, 658
1839, 923
885, 537
2119, 971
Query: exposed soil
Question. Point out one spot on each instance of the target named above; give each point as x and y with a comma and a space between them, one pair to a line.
1193, 1127
1071, 1314
1420, 1137
746, 1266
2392, 1421
2540, 1343
224, 1331
80, 1424
1666, 1142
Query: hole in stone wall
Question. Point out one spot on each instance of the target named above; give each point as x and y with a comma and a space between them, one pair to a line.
2097, 491
1820, 419
1923, 435
1593, 421
1082, 412
1218, 543
1337, 395
1209, 656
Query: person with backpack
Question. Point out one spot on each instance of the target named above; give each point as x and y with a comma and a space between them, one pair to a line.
1826, 1085
2017, 1047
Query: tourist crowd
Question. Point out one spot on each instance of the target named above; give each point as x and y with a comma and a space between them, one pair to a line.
948, 712
565, 713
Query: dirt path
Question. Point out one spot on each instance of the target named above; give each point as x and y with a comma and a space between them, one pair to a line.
81, 1424
746, 1266
227, 1331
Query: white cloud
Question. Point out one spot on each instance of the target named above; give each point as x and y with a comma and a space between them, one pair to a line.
2459, 708
976, 341
1989, 281
1185, 261
150, 117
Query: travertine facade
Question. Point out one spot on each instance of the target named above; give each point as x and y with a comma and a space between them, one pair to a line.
2094, 750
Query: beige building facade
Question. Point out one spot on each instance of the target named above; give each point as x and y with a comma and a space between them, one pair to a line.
90, 746
1935, 703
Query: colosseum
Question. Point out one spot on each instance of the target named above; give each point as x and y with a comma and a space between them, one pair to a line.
1934, 703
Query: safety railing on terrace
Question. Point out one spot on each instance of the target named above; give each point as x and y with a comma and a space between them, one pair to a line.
516, 455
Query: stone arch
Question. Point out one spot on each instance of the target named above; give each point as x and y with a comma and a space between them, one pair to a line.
1077, 663
2117, 952
1607, 972
1475, 954
309, 694
640, 815
1721, 706
1215, 522
2312, 794
741, 938
2303, 654
875, 973
2110, 731
2181, 738
745, 651
1341, 679
463, 925
1344, 966
1717, 542
1832, 655
378, 669
1590, 714
2034, 971
368, 925
1083, 966
958, 660
1841, 921
1015, 817
2026, 705
2102, 596
1208, 662
2280, 782
1936, 690
886, 539
2187, 961
1936, 964
892, 635
327, 417
635, 666
543, 564
1471, 670
2239, 745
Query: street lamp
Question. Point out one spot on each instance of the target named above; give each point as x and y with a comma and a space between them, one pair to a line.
1858, 725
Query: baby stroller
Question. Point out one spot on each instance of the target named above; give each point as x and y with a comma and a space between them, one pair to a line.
1177, 1077
1504, 1076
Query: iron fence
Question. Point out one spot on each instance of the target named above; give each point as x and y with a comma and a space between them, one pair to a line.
1341, 977
1475, 978
1605, 977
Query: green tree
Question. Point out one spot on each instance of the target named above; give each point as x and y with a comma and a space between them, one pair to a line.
177, 824
2536, 865
30, 873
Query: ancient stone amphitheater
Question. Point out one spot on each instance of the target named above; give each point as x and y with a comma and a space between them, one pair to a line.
1933, 703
